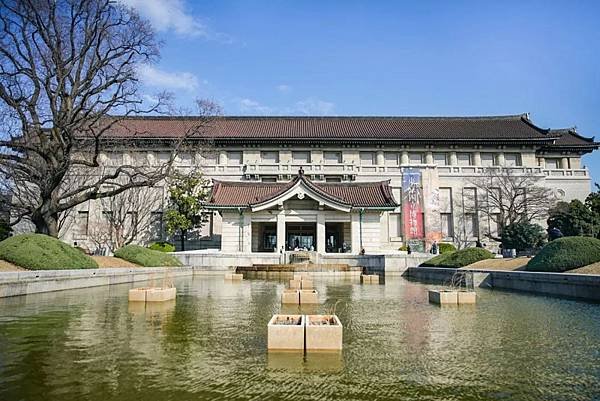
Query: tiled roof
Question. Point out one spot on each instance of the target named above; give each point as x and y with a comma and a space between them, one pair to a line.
244, 194
498, 128
568, 137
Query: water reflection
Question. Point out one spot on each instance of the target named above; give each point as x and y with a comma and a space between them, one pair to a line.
211, 344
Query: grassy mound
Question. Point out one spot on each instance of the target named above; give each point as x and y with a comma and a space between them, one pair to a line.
146, 257
460, 258
565, 254
41, 252
446, 247
162, 247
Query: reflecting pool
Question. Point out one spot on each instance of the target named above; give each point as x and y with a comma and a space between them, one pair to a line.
211, 344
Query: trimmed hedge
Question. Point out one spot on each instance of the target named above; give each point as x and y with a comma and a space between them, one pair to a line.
42, 252
445, 247
566, 253
146, 257
162, 247
460, 258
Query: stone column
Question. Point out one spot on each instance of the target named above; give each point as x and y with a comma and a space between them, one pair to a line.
429, 158
380, 158
564, 163
355, 232
247, 233
320, 233
477, 158
404, 158
500, 159
281, 230
222, 157
453, 159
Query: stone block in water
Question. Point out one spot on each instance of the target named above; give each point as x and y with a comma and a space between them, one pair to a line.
323, 333
285, 333
443, 297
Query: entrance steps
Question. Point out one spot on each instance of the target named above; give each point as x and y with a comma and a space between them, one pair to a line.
299, 267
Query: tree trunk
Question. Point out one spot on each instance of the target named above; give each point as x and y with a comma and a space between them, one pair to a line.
182, 239
45, 224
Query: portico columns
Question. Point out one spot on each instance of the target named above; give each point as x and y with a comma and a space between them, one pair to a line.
281, 229
320, 233
355, 232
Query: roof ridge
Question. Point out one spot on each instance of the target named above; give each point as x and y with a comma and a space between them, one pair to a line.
340, 117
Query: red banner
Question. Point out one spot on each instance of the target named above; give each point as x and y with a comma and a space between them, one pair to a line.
412, 204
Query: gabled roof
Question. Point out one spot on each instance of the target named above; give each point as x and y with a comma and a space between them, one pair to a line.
495, 129
259, 195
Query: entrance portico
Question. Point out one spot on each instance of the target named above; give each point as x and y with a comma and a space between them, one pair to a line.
301, 215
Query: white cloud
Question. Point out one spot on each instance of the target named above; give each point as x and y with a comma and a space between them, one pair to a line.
310, 106
252, 106
155, 77
314, 107
283, 88
172, 15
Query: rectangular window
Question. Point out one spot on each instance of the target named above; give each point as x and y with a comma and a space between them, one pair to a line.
512, 159
494, 224
185, 159
553, 163
471, 225
162, 158
210, 158
392, 158
395, 225
333, 178
446, 200
447, 225
301, 157
234, 158
156, 225
332, 157
415, 158
140, 158
488, 159
268, 179
271, 157
367, 158
81, 223
463, 159
115, 158
440, 159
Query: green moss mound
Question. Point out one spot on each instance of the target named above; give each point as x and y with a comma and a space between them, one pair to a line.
42, 252
565, 254
460, 258
162, 247
146, 257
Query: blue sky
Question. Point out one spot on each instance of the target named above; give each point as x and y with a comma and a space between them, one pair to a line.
384, 58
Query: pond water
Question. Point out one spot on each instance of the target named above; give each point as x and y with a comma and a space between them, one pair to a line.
211, 344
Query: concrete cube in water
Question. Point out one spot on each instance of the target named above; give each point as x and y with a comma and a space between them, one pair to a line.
467, 297
309, 297
290, 296
234, 276
323, 333
161, 294
137, 294
443, 297
285, 333
306, 284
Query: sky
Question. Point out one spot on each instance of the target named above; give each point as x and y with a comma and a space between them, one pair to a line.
393, 58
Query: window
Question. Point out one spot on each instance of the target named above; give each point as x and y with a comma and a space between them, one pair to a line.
488, 159
301, 157
270, 157
440, 159
162, 157
553, 163
333, 178
494, 224
156, 225
268, 179
132, 220
415, 158
210, 158
140, 158
471, 225
234, 158
367, 158
114, 158
463, 159
332, 157
81, 223
447, 225
512, 159
185, 159
446, 200
395, 225
392, 158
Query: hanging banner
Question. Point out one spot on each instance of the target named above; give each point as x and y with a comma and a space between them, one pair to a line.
412, 204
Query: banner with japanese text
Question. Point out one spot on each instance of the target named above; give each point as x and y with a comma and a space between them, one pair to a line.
412, 204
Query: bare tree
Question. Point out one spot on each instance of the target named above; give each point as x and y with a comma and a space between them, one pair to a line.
504, 197
127, 217
67, 66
